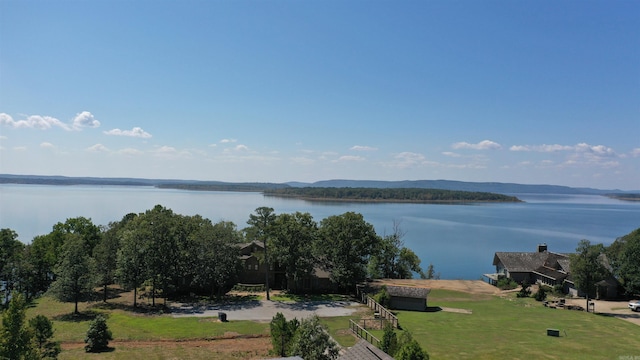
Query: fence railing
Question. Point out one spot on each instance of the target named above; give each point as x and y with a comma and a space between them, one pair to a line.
363, 334
383, 312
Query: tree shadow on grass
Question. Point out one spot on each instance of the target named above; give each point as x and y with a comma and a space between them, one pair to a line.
108, 349
79, 317
140, 309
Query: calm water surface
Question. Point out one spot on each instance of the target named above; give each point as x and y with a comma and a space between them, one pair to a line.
459, 240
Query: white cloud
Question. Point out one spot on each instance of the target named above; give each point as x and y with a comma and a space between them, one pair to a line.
135, 132
635, 152
166, 150
81, 120
363, 148
85, 119
130, 152
541, 148
302, 160
20, 148
32, 122
451, 154
98, 148
47, 145
2, 137
482, 145
242, 148
599, 150
227, 141
350, 158
407, 159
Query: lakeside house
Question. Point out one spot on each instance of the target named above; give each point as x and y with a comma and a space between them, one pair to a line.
255, 272
544, 267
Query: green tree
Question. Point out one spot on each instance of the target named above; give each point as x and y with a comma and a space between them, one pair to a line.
345, 245
15, 339
409, 348
392, 260
587, 267
85, 228
260, 229
74, 273
313, 342
282, 334
105, 254
131, 267
98, 335
11, 251
623, 255
291, 244
214, 256
389, 343
42, 329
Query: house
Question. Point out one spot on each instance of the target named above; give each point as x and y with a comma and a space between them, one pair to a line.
255, 271
544, 267
541, 266
408, 298
363, 350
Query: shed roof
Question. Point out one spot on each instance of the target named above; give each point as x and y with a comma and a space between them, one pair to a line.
408, 291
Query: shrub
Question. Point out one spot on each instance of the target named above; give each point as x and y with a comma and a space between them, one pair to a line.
282, 333
558, 290
383, 298
506, 284
389, 343
98, 335
525, 291
541, 294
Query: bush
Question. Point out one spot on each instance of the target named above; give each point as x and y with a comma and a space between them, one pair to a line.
541, 294
558, 290
506, 284
383, 298
525, 291
98, 335
389, 343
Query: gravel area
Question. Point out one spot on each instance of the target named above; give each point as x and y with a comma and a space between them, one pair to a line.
264, 310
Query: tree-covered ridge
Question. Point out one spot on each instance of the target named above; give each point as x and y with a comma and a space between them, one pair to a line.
390, 195
625, 196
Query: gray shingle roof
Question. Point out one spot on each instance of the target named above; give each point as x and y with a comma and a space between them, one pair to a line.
363, 350
408, 291
520, 261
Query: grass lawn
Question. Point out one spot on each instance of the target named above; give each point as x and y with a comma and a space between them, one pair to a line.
149, 336
512, 328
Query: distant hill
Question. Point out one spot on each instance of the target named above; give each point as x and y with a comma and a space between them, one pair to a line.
491, 187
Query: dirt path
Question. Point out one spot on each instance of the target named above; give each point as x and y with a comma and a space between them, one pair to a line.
469, 286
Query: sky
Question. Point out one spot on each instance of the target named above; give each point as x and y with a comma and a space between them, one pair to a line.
532, 92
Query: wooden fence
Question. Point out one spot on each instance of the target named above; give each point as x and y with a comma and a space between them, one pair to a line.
363, 334
383, 312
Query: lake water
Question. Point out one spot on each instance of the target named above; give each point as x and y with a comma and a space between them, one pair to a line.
459, 240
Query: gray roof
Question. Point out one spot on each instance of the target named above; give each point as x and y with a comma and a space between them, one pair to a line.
363, 350
408, 291
520, 261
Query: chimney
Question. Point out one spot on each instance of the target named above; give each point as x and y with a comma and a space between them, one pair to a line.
542, 247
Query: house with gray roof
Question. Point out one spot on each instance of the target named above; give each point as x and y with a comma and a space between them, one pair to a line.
541, 266
545, 267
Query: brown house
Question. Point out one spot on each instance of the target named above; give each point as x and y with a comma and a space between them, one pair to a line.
255, 271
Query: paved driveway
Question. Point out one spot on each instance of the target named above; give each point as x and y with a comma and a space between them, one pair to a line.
264, 310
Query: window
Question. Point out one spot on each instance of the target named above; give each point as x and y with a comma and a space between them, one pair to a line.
256, 267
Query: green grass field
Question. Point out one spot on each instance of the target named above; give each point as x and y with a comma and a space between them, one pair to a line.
511, 328
498, 328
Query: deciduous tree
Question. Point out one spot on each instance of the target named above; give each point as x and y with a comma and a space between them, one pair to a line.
74, 273
260, 229
587, 267
345, 245
313, 342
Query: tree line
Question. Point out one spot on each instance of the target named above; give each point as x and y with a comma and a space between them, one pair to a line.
169, 254
389, 194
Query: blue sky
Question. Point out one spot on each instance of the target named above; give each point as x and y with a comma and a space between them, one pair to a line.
508, 91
